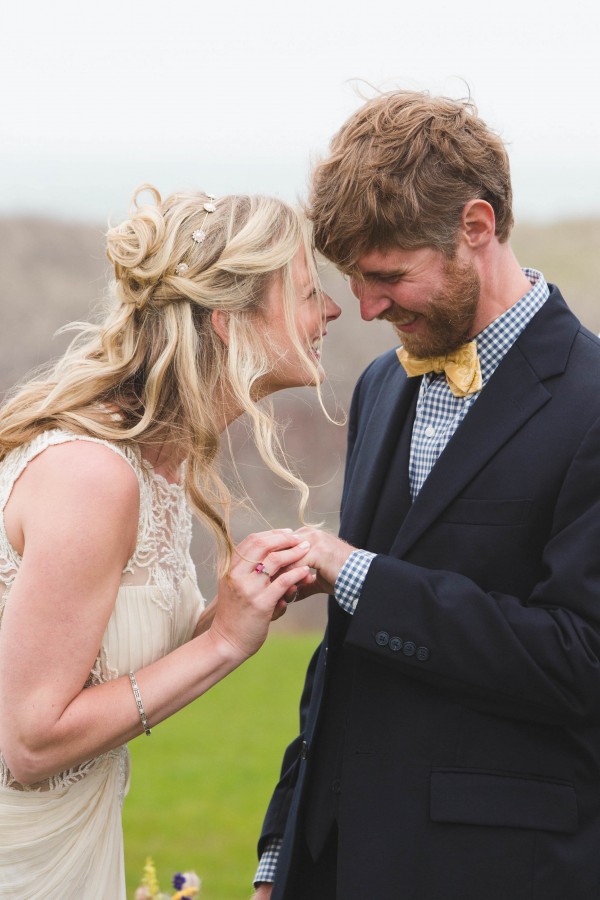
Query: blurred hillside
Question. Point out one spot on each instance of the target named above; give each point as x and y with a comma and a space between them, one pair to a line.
54, 272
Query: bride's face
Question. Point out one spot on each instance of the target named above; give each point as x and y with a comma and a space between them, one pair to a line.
312, 310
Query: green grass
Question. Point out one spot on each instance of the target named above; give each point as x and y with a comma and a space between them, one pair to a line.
201, 782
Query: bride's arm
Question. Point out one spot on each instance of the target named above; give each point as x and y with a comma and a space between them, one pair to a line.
74, 515
206, 618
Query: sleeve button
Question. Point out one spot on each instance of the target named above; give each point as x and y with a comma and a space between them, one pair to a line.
422, 654
395, 644
382, 638
409, 648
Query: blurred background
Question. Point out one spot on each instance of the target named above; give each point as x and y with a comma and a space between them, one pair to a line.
99, 98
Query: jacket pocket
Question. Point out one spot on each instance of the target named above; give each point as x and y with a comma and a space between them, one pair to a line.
473, 797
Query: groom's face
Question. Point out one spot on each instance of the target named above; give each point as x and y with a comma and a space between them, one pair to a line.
430, 300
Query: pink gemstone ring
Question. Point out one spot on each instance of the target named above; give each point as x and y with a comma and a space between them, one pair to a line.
261, 570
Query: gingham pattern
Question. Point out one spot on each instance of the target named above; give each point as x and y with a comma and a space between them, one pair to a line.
352, 575
439, 413
268, 862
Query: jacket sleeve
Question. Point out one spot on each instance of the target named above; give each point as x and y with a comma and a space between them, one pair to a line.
279, 807
535, 657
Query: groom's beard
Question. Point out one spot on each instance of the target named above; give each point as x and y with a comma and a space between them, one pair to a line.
448, 317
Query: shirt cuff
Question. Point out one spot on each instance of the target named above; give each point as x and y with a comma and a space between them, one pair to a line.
268, 862
349, 582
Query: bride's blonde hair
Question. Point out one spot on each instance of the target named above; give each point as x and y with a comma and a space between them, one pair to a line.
156, 358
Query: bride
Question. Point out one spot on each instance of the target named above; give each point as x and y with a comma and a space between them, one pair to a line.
102, 462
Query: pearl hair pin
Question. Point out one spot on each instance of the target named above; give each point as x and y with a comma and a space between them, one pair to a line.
199, 234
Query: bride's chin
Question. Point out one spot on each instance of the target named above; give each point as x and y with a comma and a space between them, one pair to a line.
281, 381
311, 379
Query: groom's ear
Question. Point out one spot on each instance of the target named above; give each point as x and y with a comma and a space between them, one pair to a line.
478, 223
220, 322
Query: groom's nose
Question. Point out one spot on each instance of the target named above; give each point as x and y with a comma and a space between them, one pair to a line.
372, 302
372, 306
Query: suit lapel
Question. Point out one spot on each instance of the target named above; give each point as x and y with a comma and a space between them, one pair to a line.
368, 467
514, 393
504, 407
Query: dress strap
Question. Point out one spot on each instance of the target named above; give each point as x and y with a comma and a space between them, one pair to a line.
13, 465
16, 462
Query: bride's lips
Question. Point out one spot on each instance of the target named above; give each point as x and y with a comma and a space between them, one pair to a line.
315, 346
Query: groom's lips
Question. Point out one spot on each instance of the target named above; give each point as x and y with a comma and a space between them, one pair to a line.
402, 323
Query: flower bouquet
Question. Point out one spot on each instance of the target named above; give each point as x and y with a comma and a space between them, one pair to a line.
186, 884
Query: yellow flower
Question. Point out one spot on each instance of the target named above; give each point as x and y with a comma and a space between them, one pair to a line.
150, 880
188, 883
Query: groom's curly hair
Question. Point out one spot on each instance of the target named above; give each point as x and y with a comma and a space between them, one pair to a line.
399, 173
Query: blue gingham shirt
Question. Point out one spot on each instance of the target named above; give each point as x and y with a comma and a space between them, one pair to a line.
438, 415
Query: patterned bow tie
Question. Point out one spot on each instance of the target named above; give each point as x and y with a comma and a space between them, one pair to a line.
463, 372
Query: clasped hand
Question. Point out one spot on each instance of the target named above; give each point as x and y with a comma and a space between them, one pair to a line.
327, 554
269, 569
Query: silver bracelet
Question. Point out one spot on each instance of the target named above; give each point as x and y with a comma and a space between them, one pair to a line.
138, 700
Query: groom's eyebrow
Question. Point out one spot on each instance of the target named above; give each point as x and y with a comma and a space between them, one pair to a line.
384, 273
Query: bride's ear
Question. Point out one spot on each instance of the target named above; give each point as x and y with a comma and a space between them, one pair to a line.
220, 322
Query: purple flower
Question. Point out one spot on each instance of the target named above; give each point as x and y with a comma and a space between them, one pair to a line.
178, 881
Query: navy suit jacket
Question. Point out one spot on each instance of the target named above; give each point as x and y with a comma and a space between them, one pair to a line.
469, 767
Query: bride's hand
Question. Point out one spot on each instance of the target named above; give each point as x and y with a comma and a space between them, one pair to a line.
265, 568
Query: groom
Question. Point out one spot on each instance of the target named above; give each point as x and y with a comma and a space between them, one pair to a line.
450, 723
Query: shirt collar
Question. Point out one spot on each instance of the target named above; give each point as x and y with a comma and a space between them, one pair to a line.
496, 339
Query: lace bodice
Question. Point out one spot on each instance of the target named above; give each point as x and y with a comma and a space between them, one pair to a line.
158, 602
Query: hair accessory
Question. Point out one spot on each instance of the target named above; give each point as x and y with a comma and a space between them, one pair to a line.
138, 700
199, 235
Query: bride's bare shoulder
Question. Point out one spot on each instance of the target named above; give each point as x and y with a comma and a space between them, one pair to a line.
76, 481
83, 462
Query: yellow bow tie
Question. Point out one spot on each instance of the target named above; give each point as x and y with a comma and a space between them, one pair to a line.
463, 372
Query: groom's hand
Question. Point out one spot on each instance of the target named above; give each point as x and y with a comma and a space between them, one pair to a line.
327, 555
263, 892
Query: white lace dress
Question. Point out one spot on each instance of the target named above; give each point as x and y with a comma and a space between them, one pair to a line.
63, 838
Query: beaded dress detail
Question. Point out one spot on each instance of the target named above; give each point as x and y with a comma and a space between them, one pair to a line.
72, 821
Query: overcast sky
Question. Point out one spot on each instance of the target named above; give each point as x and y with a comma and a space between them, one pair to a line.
231, 96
